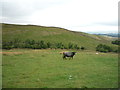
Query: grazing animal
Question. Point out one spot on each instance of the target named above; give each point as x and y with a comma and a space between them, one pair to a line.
97, 53
68, 54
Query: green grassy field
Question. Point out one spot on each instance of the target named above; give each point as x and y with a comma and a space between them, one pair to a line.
24, 68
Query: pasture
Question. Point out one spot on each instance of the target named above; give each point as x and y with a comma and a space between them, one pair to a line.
45, 68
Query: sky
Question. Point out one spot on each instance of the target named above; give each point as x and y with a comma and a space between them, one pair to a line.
91, 16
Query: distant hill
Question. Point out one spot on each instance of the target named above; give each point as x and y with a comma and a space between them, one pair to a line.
52, 34
110, 34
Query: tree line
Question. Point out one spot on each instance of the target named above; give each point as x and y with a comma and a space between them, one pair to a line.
32, 44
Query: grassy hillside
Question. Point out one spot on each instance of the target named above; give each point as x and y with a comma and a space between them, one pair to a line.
51, 34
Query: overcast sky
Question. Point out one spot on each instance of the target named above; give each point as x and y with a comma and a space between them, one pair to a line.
77, 15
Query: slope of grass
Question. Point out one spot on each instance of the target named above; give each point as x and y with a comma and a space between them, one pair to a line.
52, 34
47, 69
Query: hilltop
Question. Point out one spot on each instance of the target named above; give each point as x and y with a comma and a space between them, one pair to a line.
52, 34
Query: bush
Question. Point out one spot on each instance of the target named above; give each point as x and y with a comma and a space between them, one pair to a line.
49, 45
117, 42
7, 45
76, 47
103, 48
59, 45
82, 48
70, 46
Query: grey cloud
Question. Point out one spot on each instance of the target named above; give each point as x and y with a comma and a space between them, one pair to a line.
26, 7
15, 10
20, 10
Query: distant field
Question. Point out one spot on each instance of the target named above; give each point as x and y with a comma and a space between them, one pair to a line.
24, 68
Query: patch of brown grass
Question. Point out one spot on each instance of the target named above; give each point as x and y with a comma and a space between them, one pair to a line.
11, 53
